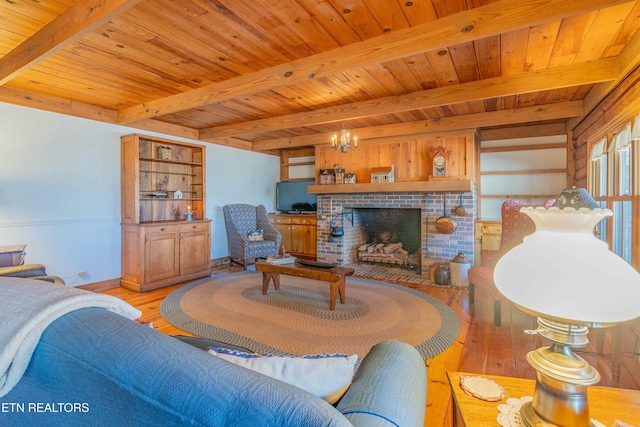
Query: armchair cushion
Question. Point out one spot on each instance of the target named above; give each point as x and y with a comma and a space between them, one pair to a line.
25, 270
30, 271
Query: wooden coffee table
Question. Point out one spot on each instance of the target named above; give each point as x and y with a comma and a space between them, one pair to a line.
335, 276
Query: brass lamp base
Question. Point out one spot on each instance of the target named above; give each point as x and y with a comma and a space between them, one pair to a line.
562, 377
529, 418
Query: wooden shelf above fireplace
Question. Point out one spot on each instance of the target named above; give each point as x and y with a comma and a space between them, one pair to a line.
393, 187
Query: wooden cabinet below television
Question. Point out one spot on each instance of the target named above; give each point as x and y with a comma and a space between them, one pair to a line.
299, 234
162, 181
162, 254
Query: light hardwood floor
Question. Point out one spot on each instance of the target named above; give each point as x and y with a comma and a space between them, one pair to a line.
481, 347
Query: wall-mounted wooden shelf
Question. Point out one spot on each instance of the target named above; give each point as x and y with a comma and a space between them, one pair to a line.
392, 187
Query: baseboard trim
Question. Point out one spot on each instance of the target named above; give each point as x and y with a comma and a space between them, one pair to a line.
105, 285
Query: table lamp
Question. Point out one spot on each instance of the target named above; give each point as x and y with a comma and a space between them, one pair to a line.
571, 281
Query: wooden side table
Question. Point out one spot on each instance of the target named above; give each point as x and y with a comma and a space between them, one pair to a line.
11, 255
605, 404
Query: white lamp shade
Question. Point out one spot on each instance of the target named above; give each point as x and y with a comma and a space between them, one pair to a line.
563, 271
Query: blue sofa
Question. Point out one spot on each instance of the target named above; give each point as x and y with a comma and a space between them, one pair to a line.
94, 367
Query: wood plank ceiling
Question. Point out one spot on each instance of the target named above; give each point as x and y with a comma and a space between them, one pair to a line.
265, 75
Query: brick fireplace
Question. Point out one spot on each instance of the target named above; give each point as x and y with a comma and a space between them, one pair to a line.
344, 210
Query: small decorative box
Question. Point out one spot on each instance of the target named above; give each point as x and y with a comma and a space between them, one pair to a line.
164, 153
350, 178
326, 176
383, 174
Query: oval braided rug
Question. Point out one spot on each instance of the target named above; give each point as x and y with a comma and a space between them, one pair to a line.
296, 320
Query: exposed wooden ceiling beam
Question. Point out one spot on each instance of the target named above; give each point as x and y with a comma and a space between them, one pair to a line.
82, 17
554, 78
522, 132
495, 118
473, 24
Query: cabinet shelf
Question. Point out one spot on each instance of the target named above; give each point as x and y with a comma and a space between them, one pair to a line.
168, 173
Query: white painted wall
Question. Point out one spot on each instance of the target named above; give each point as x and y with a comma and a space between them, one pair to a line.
60, 190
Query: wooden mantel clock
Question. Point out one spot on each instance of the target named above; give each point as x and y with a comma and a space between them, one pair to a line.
440, 163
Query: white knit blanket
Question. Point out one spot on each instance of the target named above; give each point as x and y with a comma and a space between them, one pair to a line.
27, 308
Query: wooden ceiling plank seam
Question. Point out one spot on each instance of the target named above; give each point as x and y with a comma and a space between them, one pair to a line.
44, 12
602, 32
456, 123
23, 26
418, 12
387, 14
573, 75
323, 12
256, 22
443, 66
542, 39
445, 63
488, 54
448, 7
306, 26
513, 49
175, 68
572, 34
229, 43
421, 69
126, 89
121, 74
207, 52
630, 26
81, 18
359, 17
403, 75
487, 20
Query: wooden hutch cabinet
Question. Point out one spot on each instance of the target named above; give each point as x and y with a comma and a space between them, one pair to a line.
162, 180
299, 233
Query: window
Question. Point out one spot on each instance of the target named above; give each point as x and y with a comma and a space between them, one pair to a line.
613, 166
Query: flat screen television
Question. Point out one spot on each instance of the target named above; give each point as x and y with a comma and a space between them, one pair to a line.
292, 196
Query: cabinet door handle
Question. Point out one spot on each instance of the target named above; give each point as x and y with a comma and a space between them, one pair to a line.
194, 226
163, 229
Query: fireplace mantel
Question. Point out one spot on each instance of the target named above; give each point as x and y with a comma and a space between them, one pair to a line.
393, 187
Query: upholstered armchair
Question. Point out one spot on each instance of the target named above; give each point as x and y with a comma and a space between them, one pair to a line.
515, 226
241, 220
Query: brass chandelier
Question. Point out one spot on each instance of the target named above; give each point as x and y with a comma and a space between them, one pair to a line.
343, 141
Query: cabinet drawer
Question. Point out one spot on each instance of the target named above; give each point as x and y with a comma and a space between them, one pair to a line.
168, 228
304, 220
280, 220
193, 226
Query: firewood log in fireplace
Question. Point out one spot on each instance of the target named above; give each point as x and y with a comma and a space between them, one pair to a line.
390, 253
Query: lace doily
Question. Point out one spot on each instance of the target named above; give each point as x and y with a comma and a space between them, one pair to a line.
509, 412
482, 388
